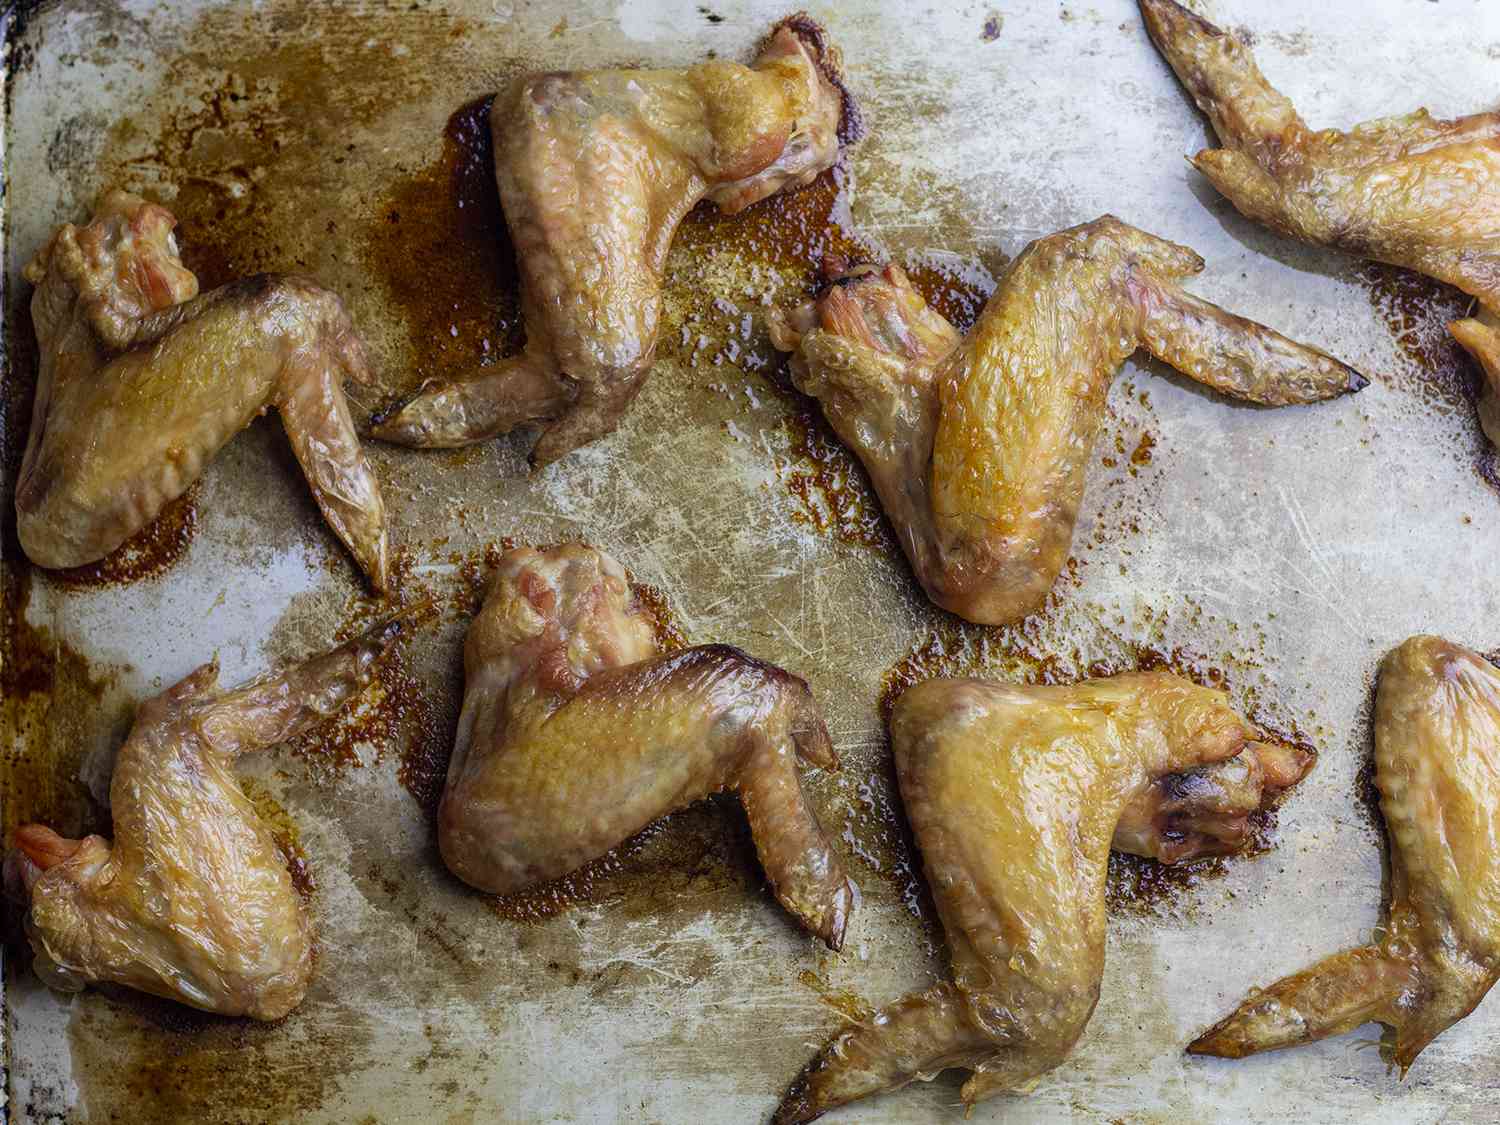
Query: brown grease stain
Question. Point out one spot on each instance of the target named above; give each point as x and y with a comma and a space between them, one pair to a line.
665, 625
793, 230
284, 831
833, 493
1417, 309
443, 253
50, 701
849, 1004
167, 1062
149, 553
1141, 455
801, 234
394, 712
703, 852
268, 127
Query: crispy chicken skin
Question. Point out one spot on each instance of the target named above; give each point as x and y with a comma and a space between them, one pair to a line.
596, 170
1014, 794
192, 900
1411, 191
143, 380
1437, 766
577, 733
977, 445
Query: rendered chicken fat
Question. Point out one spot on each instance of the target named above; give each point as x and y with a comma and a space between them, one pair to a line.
192, 900
1014, 794
596, 169
143, 380
576, 733
977, 445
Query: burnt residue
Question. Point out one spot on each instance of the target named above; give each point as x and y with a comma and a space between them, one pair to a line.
703, 853
666, 627
793, 230
395, 714
443, 253
1440, 374
1417, 310
53, 707
832, 490
149, 553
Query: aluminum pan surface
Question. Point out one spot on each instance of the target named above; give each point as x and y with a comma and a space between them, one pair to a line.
1290, 548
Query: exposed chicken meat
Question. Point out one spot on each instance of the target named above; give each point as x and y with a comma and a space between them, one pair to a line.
596, 170
977, 446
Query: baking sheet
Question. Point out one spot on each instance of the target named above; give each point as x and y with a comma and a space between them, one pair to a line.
1282, 551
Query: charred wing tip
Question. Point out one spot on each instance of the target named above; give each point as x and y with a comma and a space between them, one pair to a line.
799, 1106
1213, 1043
830, 64
1169, 18
1355, 381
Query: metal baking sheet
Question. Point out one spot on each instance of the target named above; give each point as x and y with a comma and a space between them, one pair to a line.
1282, 551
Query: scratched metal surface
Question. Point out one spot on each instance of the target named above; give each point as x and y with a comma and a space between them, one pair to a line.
1285, 549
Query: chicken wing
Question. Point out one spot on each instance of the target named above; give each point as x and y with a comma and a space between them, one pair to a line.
977, 446
576, 733
596, 170
1437, 766
1014, 794
192, 900
143, 380
1412, 191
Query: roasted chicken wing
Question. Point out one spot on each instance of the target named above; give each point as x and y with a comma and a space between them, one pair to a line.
577, 733
977, 446
1437, 766
1014, 794
596, 169
1412, 191
143, 380
192, 900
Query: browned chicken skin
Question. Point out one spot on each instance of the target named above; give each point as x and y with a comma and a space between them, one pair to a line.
192, 900
577, 733
596, 170
1412, 191
977, 445
143, 380
1437, 766
1014, 794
